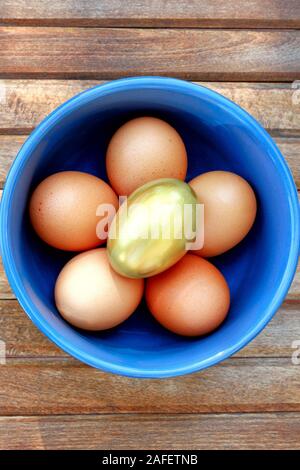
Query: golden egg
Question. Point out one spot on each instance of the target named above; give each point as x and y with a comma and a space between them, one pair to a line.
152, 228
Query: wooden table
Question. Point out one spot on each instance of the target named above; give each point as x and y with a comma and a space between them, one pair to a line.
248, 51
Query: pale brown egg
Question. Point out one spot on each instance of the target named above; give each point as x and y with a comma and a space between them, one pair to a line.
63, 209
229, 210
89, 294
191, 298
142, 150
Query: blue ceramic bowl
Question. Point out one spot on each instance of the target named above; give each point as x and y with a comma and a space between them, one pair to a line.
218, 135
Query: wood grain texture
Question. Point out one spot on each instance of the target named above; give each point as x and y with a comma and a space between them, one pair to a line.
24, 103
9, 147
11, 144
157, 13
59, 402
290, 149
252, 431
6, 292
23, 339
294, 292
65, 386
107, 53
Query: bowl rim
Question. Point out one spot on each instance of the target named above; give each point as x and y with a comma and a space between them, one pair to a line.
164, 83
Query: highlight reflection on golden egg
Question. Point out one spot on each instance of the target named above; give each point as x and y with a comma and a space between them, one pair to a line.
148, 235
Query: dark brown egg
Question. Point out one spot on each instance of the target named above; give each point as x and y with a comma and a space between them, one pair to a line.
63, 209
191, 298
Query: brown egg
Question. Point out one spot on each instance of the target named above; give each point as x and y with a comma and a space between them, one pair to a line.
229, 210
63, 209
89, 294
192, 298
142, 150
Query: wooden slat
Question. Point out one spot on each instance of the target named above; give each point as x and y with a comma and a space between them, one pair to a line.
184, 13
6, 292
10, 145
290, 149
24, 103
61, 386
107, 53
23, 339
115, 432
294, 292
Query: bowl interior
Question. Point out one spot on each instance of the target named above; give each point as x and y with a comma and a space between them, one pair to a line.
217, 135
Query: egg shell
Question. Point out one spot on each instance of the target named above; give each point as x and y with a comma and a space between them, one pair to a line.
133, 250
191, 298
142, 150
90, 295
229, 210
63, 209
